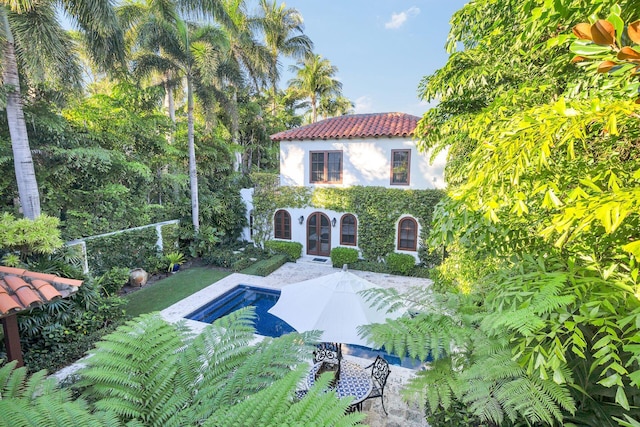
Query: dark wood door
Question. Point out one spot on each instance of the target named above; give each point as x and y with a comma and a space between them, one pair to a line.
318, 235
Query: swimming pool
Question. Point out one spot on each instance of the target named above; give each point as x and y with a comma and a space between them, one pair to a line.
269, 325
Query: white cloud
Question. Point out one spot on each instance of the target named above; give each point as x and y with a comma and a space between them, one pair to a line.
363, 104
398, 19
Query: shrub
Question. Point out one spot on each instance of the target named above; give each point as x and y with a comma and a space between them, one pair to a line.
293, 250
220, 257
241, 264
270, 265
113, 280
401, 263
341, 256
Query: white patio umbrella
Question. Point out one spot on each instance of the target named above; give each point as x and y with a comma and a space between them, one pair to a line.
331, 304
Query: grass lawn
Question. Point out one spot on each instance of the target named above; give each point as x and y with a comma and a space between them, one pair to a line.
168, 291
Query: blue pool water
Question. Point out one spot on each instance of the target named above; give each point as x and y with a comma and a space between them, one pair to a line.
269, 325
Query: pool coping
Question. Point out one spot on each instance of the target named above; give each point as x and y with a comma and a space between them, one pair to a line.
287, 274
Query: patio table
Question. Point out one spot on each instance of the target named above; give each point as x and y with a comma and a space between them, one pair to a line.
354, 381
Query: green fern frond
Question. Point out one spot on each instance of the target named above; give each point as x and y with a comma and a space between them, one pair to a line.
423, 336
132, 371
37, 401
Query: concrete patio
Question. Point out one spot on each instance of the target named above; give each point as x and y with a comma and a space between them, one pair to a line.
401, 414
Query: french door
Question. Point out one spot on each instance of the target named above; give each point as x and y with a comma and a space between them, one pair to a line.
318, 235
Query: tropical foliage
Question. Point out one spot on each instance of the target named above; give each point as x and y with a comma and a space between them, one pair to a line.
534, 315
158, 111
153, 373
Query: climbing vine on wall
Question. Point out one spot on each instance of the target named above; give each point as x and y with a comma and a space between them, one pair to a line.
377, 209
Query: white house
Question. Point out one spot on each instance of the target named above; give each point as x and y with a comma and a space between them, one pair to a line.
361, 149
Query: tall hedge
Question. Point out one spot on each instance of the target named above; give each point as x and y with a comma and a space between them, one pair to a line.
132, 249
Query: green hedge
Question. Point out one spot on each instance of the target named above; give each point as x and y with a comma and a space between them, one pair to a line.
268, 266
341, 256
131, 249
170, 237
401, 263
292, 249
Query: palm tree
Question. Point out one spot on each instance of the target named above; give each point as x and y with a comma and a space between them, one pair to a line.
26, 24
332, 106
247, 58
170, 45
283, 34
315, 78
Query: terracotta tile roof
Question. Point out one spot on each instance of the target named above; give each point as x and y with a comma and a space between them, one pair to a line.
353, 126
21, 289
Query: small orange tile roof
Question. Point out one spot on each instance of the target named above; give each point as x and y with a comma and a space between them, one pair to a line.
21, 289
353, 126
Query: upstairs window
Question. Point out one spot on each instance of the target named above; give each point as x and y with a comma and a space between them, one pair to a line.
407, 234
400, 162
348, 230
282, 225
326, 167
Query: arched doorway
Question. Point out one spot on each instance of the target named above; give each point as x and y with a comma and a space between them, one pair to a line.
318, 235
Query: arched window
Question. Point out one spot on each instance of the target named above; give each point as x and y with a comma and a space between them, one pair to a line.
407, 234
282, 225
348, 230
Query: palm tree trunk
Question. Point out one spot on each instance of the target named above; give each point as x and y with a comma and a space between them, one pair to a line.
169, 103
235, 131
193, 175
23, 162
314, 108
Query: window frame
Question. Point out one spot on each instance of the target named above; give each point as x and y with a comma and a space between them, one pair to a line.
325, 171
392, 180
355, 230
415, 230
284, 230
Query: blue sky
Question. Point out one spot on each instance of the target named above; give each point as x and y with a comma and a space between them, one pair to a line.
382, 48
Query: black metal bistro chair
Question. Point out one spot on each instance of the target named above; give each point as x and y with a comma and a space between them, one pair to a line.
329, 355
379, 374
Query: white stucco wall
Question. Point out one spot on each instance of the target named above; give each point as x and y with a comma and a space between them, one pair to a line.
366, 161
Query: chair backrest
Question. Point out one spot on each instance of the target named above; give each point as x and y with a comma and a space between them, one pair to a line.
380, 371
327, 352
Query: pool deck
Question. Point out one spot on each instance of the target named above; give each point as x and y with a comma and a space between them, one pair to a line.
400, 413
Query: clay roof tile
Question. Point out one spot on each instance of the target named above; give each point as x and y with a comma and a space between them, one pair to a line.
28, 297
21, 289
46, 290
7, 303
353, 126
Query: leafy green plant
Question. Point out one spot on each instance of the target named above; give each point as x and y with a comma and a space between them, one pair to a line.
113, 280
174, 259
538, 299
28, 237
11, 260
400, 263
341, 256
293, 250
152, 372
131, 248
36, 399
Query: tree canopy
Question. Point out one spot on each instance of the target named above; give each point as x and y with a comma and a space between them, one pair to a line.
537, 303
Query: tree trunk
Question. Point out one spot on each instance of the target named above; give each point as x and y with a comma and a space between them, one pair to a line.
23, 162
314, 109
235, 131
193, 175
169, 103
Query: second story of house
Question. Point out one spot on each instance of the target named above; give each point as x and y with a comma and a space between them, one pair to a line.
360, 149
